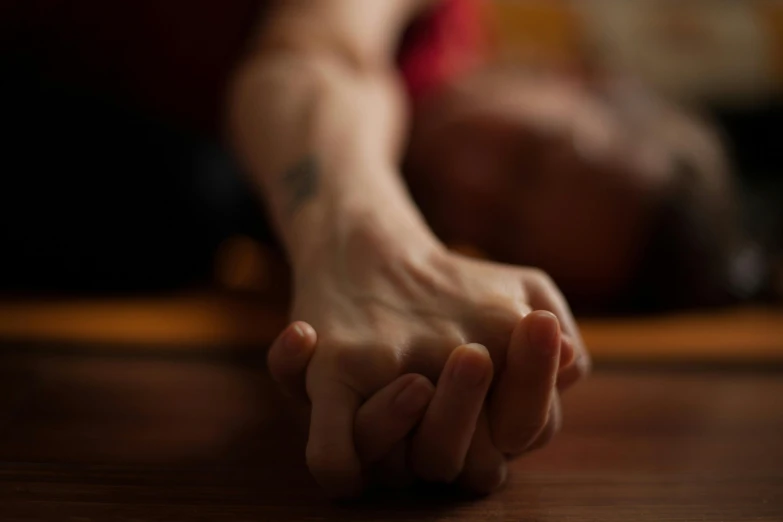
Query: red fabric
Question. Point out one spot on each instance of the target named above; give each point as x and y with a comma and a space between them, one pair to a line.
174, 57
449, 42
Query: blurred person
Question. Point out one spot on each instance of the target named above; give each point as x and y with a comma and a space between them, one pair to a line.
335, 110
624, 199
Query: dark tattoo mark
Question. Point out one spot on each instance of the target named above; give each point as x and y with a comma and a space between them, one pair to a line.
301, 183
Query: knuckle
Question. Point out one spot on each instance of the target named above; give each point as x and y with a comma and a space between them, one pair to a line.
519, 310
510, 309
442, 334
367, 368
542, 279
427, 351
516, 314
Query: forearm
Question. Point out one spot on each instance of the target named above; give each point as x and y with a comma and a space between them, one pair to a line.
321, 141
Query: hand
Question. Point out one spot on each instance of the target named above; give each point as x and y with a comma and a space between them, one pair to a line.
382, 423
380, 314
385, 420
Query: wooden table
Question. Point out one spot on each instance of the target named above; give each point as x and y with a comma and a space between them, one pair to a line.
127, 435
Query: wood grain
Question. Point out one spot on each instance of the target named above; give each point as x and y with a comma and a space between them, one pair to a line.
176, 437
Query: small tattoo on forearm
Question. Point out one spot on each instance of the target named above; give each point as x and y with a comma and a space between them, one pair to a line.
300, 183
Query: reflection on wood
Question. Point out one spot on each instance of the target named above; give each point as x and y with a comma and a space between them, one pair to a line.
146, 437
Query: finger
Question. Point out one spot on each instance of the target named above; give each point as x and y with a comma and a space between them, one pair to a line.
485, 467
544, 295
389, 415
567, 350
443, 438
574, 368
331, 455
573, 373
553, 426
392, 470
519, 407
289, 356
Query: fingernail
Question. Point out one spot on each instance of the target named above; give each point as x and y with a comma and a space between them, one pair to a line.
414, 397
470, 368
294, 337
543, 333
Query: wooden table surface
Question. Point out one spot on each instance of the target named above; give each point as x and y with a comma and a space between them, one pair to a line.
167, 436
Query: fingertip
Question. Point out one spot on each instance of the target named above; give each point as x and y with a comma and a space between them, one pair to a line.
289, 356
472, 365
295, 343
479, 349
537, 335
414, 396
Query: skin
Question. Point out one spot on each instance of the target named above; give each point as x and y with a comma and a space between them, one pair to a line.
481, 350
318, 117
467, 448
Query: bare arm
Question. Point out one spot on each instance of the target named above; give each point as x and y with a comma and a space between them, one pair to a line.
318, 116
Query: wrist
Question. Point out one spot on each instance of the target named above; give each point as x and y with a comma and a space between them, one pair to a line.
365, 234
360, 209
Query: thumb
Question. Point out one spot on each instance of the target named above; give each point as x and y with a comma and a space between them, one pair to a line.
289, 356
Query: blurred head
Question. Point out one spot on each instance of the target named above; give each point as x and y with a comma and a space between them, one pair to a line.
584, 181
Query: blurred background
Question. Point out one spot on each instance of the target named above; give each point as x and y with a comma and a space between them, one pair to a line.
140, 282
721, 58
105, 204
